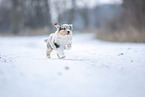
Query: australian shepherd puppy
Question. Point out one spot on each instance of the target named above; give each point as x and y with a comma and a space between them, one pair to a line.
60, 40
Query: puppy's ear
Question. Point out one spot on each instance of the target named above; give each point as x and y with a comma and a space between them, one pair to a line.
71, 26
57, 25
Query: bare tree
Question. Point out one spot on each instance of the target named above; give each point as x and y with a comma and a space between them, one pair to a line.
21, 15
15, 17
48, 15
72, 12
85, 13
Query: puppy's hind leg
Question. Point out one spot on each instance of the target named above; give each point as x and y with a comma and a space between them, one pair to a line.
48, 53
48, 50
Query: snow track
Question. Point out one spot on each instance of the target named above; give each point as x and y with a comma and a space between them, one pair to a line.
92, 68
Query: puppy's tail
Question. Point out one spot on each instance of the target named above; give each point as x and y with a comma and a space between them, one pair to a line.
45, 40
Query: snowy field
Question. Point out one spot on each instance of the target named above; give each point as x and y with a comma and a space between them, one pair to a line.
92, 68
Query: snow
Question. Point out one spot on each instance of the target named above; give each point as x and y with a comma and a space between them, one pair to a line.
92, 68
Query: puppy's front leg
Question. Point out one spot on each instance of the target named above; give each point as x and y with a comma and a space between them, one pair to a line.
60, 53
68, 46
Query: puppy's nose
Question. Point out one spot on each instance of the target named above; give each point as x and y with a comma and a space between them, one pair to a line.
68, 32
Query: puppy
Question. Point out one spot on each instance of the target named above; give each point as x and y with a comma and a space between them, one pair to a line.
60, 40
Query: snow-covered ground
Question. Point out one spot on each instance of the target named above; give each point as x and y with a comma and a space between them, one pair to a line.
92, 68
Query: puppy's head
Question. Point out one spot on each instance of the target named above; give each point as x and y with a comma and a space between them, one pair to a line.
64, 29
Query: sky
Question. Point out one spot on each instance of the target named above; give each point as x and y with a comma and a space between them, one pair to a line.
109, 1
92, 3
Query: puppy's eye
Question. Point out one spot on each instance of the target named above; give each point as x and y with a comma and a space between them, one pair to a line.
70, 27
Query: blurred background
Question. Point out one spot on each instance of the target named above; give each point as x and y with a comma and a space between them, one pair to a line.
111, 20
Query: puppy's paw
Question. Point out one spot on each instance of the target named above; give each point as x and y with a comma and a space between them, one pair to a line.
69, 45
48, 55
45, 40
62, 57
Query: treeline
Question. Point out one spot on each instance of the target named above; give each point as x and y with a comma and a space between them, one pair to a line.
18, 15
114, 22
129, 25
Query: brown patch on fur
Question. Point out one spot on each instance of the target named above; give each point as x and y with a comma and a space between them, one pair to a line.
63, 32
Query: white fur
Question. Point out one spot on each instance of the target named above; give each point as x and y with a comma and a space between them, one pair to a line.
64, 41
